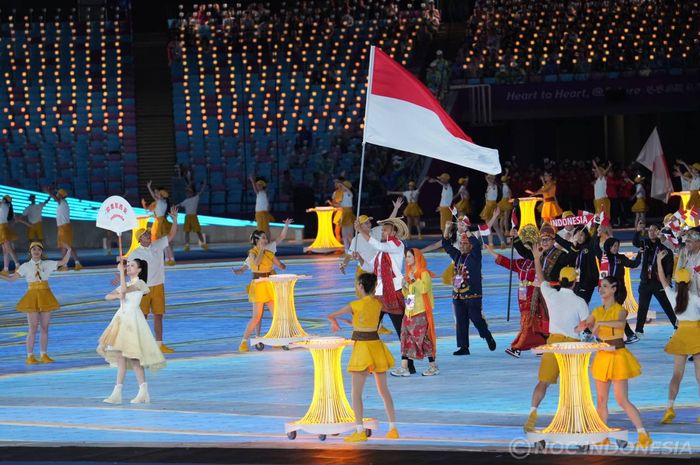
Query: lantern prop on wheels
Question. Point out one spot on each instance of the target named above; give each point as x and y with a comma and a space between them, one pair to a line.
329, 412
325, 241
576, 422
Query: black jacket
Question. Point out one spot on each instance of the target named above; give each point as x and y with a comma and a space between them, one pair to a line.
649, 274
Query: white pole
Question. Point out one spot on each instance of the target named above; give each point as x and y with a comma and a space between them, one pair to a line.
364, 129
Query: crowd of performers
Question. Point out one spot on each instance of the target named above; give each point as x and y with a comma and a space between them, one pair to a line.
557, 272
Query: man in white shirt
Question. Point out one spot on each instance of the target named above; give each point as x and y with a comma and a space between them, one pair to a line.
445, 199
190, 205
262, 205
153, 253
33, 214
65, 229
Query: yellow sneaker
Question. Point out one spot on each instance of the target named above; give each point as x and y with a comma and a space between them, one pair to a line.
205, 247
45, 359
357, 437
604, 442
531, 422
392, 434
668, 417
5, 273
63, 268
78, 267
644, 440
165, 349
383, 330
31, 360
243, 347
170, 263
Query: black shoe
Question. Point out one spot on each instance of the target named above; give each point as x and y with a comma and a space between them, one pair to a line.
491, 342
691, 358
513, 352
462, 351
411, 367
632, 339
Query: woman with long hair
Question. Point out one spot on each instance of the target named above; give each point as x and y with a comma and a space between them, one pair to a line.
616, 367
686, 340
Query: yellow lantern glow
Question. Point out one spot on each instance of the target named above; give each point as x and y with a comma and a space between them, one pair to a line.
285, 327
527, 211
325, 241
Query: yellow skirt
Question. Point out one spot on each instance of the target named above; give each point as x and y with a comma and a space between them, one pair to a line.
549, 369
445, 217
505, 206
488, 210
161, 227
35, 232
464, 206
38, 298
412, 210
65, 235
550, 210
263, 221
7, 233
686, 339
694, 200
192, 224
370, 356
260, 291
640, 206
615, 366
602, 205
348, 219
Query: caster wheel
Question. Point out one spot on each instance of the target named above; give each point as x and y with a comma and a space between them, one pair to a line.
336, 434
540, 445
259, 346
285, 347
621, 443
321, 437
292, 435
368, 432
585, 448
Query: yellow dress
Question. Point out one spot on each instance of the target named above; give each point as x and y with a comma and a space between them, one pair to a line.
370, 356
338, 214
412, 210
7, 233
161, 228
488, 210
618, 364
261, 291
550, 207
640, 206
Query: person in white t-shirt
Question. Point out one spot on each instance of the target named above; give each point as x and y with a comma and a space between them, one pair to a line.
190, 205
600, 189
65, 229
153, 252
39, 301
446, 197
412, 212
262, 205
567, 310
32, 218
686, 340
7, 234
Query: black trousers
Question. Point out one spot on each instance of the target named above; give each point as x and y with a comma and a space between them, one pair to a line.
465, 310
646, 290
585, 294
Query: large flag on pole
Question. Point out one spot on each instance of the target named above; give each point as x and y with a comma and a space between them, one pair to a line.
401, 113
652, 158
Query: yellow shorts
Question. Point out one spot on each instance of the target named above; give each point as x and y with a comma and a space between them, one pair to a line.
263, 221
445, 217
464, 207
602, 205
549, 369
7, 233
506, 207
154, 301
36, 232
192, 224
65, 235
412, 210
161, 228
348, 218
38, 298
640, 206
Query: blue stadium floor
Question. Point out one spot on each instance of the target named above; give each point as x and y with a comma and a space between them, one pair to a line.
210, 395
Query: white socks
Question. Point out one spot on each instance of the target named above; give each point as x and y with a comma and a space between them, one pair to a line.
670, 403
392, 425
533, 409
641, 430
359, 428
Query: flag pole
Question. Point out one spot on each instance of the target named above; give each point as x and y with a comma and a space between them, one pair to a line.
364, 130
516, 204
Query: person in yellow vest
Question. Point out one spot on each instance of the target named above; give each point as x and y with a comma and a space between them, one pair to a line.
39, 301
446, 197
616, 367
161, 226
262, 205
369, 354
65, 228
685, 341
190, 205
261, 261
7, 234
31, 217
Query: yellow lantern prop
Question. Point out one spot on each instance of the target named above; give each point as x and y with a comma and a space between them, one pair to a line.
630, 304
325, 241
576, 421
527, 211
329, 412
685, 198
285, 327
143, 223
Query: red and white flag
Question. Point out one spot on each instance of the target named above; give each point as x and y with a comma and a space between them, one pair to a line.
513, 219
671, 239
401, 113
693, 213
484, 230
680, 215
652, 158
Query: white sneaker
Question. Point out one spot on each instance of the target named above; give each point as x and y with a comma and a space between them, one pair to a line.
401, 372
431, 371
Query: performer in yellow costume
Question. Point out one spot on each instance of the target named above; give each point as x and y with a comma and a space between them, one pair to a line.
369, 354
161, 225
615, 367
7, 234
548, 191
39, 301
639, 207
338, 213
412, 212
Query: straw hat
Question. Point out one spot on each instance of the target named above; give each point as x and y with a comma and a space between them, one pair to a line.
7, 198
364, 218
62, 193
461, 181
401, 227
696, 166
347, 184
444, 177
36, 244
411, 183
260, 183
163, 193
